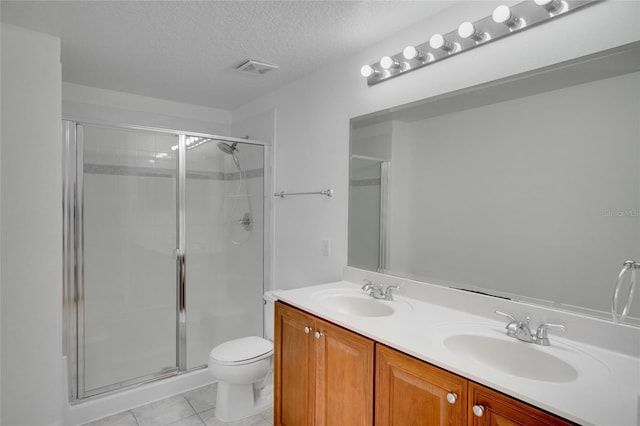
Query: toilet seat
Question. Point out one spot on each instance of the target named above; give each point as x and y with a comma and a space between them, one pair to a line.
240, 351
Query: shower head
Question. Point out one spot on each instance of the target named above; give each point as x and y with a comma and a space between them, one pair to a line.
230, 149
226, 148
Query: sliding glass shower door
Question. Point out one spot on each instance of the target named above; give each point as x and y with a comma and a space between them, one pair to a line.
163, 251
129, 239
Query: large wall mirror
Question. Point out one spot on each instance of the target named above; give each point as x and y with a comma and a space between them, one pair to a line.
526, 188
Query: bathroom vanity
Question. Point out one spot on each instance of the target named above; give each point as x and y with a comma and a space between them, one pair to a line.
325, 376
343, 358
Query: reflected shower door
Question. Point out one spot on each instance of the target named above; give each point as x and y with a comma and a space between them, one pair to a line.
224, 243
368, 210
128, 317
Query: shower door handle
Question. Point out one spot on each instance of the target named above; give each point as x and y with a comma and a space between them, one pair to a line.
181, 329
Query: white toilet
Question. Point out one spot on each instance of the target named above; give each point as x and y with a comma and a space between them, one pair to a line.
244, 369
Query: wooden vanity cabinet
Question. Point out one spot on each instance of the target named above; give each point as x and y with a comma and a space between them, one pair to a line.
324, 376
412, 392
293, 399
323, 373
487, 407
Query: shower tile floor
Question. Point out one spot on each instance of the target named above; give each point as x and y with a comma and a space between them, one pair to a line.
192, 408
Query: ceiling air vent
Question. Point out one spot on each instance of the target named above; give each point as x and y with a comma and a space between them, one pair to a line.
256, 67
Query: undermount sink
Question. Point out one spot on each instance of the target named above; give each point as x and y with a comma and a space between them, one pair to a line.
356, 302
513, 357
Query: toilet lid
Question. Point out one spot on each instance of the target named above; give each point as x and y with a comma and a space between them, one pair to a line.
241, 349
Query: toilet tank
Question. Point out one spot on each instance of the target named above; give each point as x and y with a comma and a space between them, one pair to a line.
269, 313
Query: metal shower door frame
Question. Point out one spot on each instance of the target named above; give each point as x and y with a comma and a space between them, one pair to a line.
385, 239
73, 262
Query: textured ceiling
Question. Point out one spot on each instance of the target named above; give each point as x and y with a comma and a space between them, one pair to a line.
187, 50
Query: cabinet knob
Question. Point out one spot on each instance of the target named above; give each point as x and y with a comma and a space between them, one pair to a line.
452, 397
307, 330
318, 335
478, 410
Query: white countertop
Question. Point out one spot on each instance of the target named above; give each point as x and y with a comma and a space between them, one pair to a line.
606, 390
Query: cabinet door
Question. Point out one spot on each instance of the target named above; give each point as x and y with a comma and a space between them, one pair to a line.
500, 410
344, 376
293, 372
411, 392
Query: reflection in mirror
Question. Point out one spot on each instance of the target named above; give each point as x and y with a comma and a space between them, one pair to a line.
526, 188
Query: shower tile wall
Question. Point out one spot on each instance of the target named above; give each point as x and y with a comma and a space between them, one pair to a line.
245, 255
224, 262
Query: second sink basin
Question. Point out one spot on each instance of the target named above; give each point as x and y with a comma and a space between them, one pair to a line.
513, 357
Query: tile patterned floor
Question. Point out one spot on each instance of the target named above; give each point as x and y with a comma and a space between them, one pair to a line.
193, 408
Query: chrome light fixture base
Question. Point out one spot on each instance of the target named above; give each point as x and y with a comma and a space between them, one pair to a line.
526, 15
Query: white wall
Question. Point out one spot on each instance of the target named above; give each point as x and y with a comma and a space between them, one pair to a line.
91, 104
312, 126
31, 229
373, 140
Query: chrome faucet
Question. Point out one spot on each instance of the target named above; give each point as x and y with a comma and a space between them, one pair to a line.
518, 329
541, 333
379, 292
521, 330
368, 285
387, 291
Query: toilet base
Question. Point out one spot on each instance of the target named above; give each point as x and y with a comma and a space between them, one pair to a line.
235, 402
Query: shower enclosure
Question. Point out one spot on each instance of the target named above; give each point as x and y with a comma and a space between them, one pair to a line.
164, 243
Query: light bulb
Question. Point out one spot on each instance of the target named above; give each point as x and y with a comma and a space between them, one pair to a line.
410, 52
437, 41
550, 5
388, 62
468, 30
502, 15
367, 71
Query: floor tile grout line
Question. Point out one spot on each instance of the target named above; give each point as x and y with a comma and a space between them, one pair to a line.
193, 408
134, 417
190, 404
201, 419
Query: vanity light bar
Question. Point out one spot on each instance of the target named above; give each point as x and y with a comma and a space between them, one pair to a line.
502, 22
